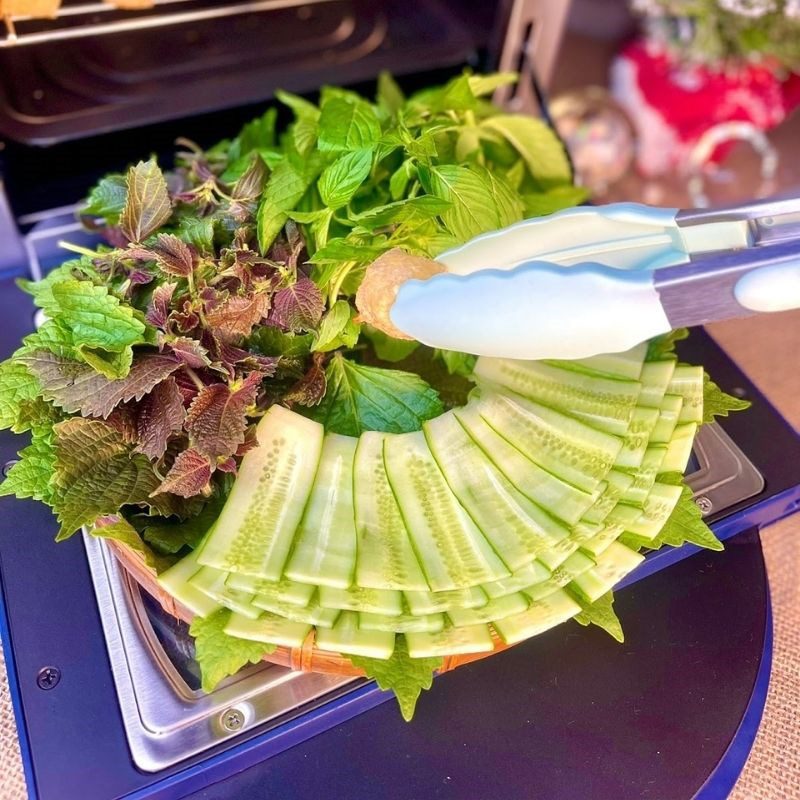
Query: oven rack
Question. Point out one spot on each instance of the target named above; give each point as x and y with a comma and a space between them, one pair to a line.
88, 19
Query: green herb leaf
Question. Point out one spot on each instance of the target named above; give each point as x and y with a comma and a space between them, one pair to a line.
390, 96
362, 399
347, 125
147, 204
685, 524
458, 363
77, 388
17, 384
198, 232
663, 347
118, 529
271, 341
387, 348
170, 536
543, 153
717, 403
555, 199
107, 199
401, 674
95, 473
482, 85
30, 476
413, 209
220, 655
283, 192
600, 613
337, 329
93, 316
340, 181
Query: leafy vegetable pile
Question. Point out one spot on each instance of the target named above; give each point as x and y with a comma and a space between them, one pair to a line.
226, 287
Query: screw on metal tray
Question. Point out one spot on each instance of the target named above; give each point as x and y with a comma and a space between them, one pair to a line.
232, 719
704, 504
48, 678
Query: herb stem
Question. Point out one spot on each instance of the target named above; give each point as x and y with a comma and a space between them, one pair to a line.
195, 378
76, 248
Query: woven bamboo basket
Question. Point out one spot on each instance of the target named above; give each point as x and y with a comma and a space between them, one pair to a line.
307, 658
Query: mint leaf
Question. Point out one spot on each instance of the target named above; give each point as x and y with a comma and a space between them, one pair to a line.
260, 133
347, 125
147, 205
390, 96
17, 385
411, 210
283, 192
107, 199
95, 474
482, 85
160, 414
337, 329
362, 399
297, 307
543, 153
559, 197
340, 181
717, 403
216, 420
219, 654
76, 387
600, 613
188, 476
479, 200
401, 674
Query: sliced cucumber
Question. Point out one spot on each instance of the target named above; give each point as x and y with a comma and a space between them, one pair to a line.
656, 508
385, 559
570, 449
268, 628
495, 609
679, 450
671, 407
645, 476
175, 581
655, 378
324, 550
541, 615
584, 531
617, 483
312, 614
516, 528
211, 582
556, 556
610, 532
559, 498
452, 551
607, 402
636, 440
532, 573
422, 603
283, 591
618, 365
577, 564
346, 637
356, 598
450, 641
688, 383
405, 623
612, 566
255, 530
